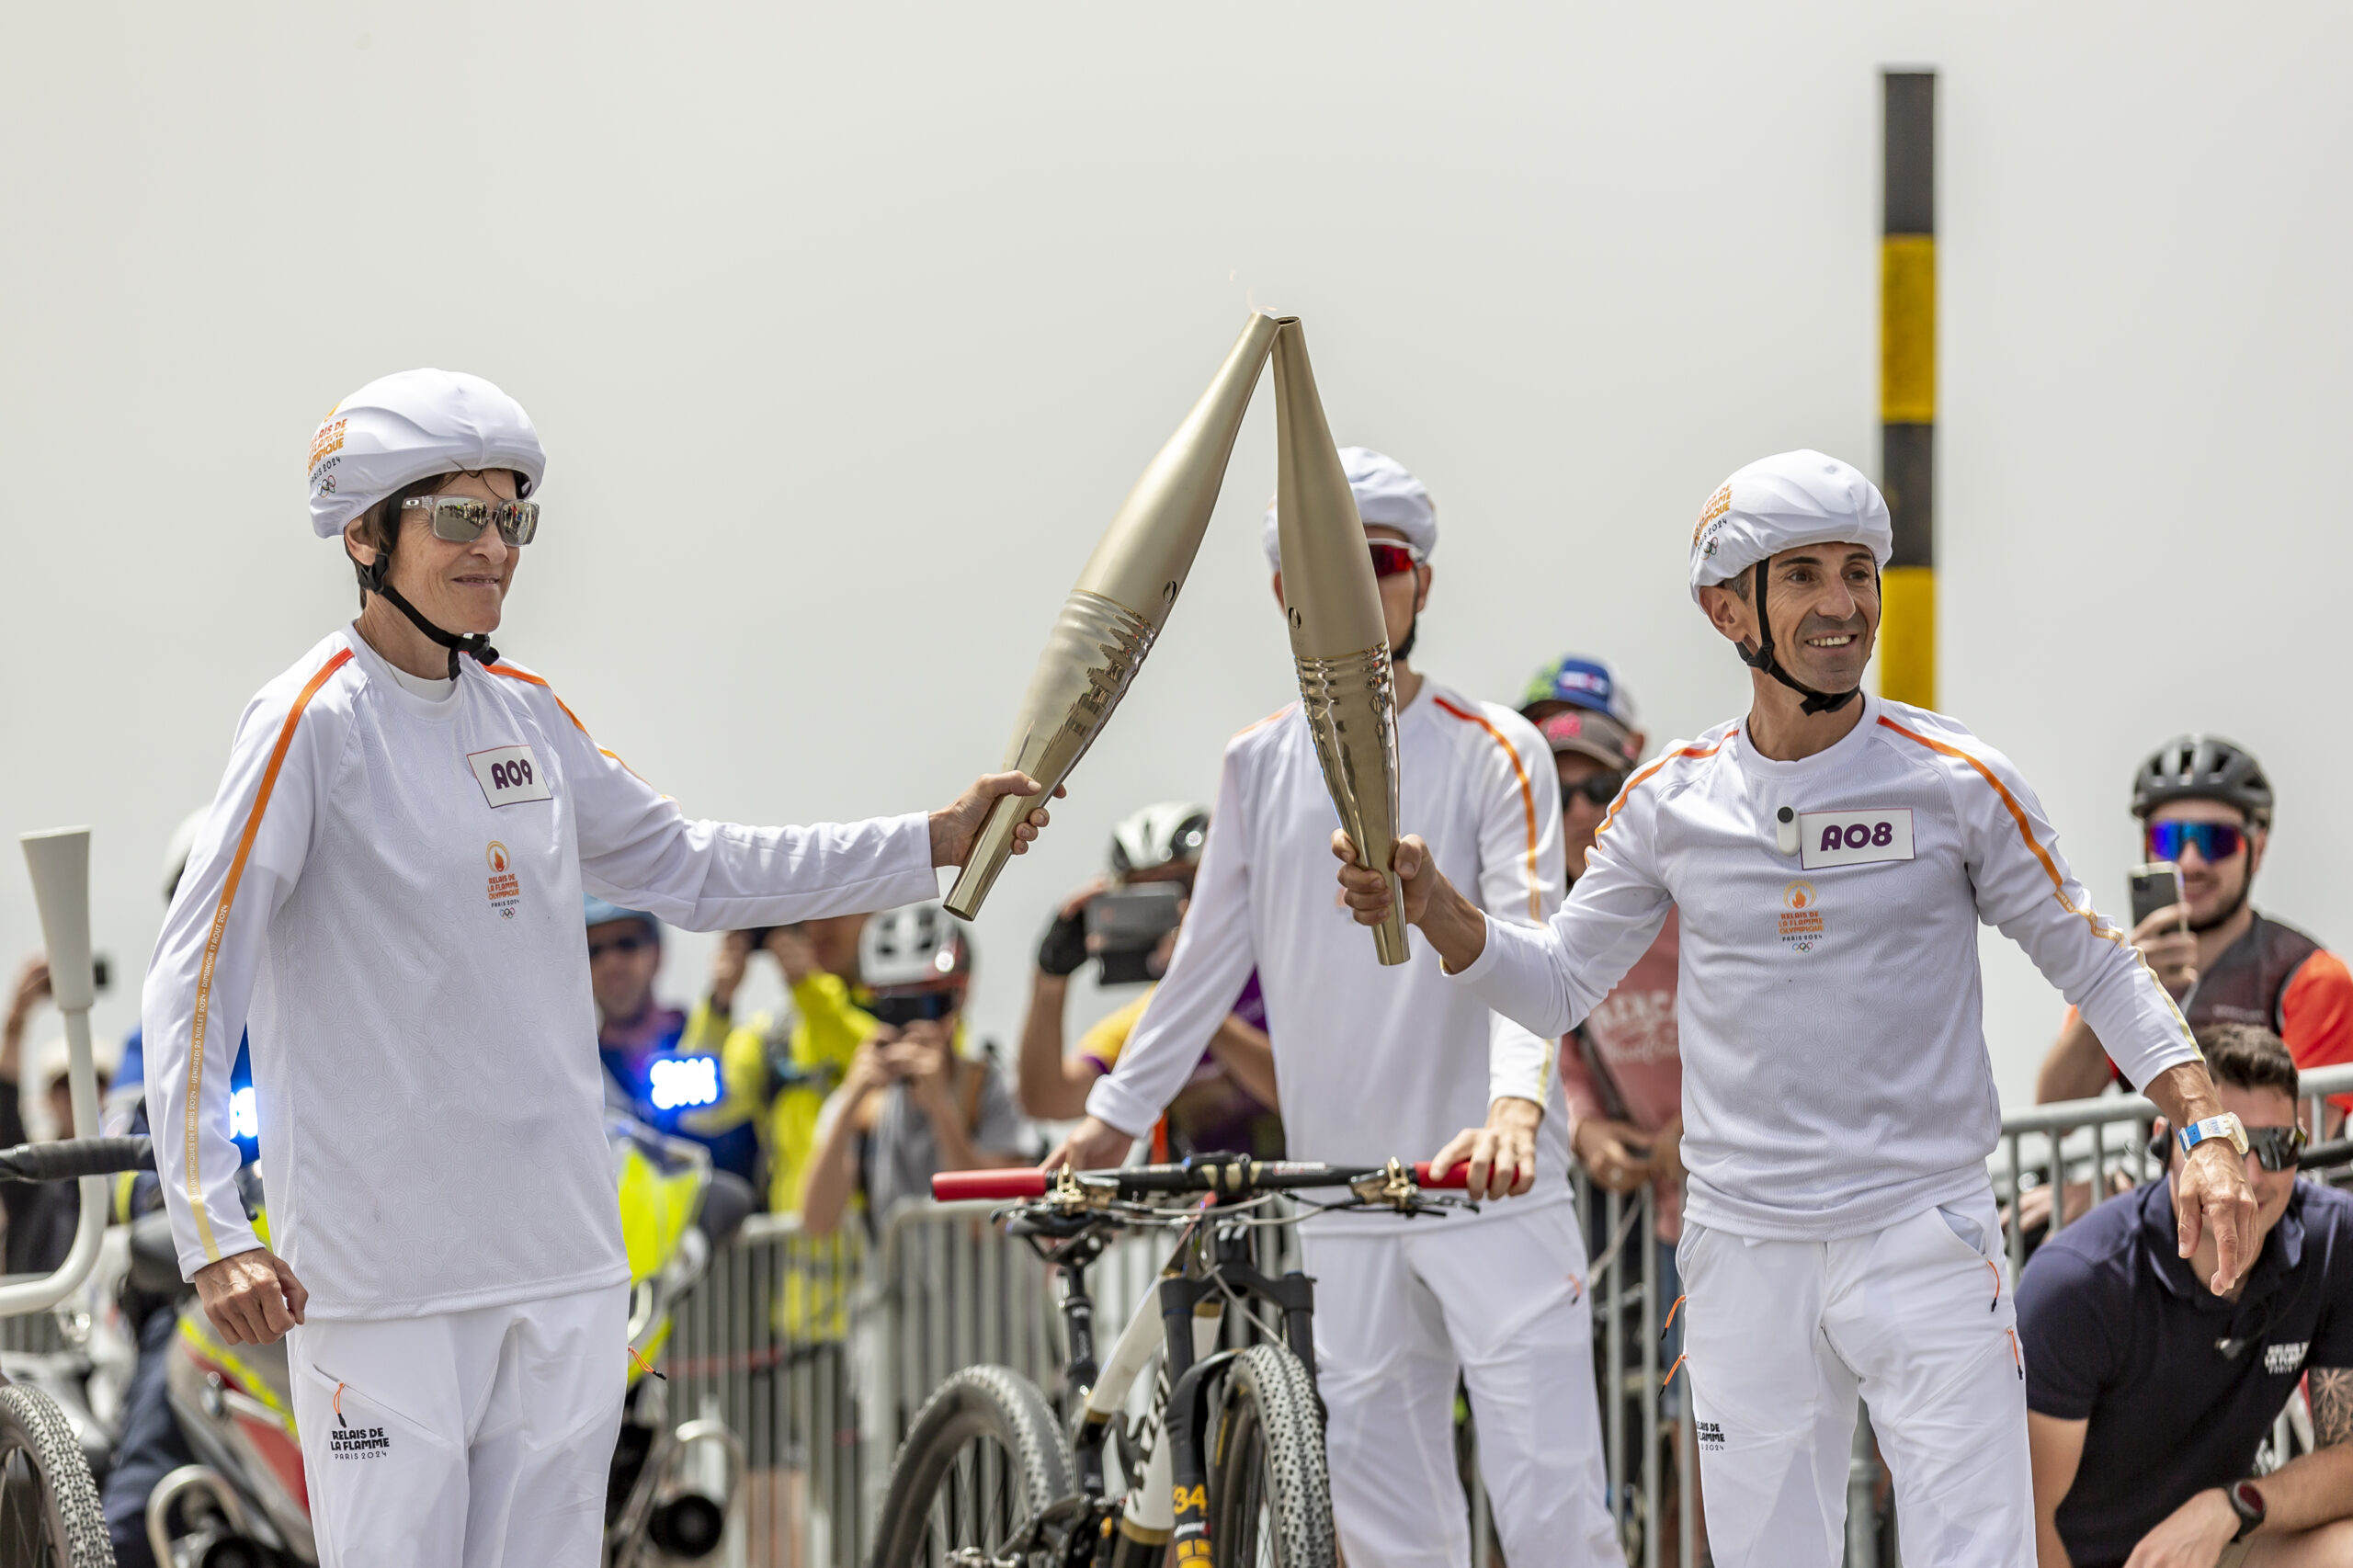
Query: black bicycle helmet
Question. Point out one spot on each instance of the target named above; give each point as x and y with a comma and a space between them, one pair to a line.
2203, 767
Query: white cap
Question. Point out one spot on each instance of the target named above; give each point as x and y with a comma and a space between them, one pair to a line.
1779, 503
404, 428
1387, 496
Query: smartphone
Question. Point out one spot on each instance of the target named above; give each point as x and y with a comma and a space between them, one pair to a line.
1124, 927
2155, 886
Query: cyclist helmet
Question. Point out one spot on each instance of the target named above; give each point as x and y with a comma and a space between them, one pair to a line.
2203, 767
915, 948
1171, 833
182, 845
594, 911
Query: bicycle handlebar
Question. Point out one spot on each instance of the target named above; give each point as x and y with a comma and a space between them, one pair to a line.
68, 1158
1230, 1176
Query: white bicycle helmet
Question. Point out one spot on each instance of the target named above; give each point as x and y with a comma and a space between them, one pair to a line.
917, 947
182, 845
1170, 832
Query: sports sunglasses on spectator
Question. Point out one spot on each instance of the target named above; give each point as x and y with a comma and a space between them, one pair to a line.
460, 519
2216, 841
1600, 787
1388, 557
629, 943
2276, 1147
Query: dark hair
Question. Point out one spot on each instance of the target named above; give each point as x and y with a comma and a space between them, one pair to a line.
2248, 1056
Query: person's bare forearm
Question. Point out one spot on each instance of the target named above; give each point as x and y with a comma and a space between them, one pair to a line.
1455, 926
831, 1173
1051, 1087
2076, 1068
2316, 1488
1249, 1055
2185, 1094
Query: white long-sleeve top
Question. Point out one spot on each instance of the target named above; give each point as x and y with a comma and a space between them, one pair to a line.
1835, 1079
1370, 1062
388, 891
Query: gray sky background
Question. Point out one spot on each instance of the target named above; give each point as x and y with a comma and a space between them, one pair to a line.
847, 329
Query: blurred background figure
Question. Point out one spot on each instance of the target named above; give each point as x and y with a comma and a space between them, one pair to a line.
1621, 1069
41, 1216
806, 1053
915, 1100
1126, 923
716, 1098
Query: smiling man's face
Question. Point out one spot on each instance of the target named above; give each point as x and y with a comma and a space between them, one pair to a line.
1824, 602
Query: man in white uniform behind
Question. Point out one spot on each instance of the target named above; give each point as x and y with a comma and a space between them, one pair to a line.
1830, 858
1373, 1063
388, 888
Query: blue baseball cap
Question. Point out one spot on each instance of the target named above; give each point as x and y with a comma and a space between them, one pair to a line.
1580, 706
594, 911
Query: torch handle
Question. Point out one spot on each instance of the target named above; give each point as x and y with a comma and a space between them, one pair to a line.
990, 849
1389, 944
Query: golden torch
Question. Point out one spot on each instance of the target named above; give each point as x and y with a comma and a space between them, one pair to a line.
1337, 636
1118, 605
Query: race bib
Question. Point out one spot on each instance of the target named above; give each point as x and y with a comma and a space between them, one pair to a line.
1854, 838
509, 775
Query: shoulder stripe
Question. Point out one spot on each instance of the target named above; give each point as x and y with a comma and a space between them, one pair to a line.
511, 673
2017, 816
1632, 784
203, 1012
1526, 799
1255, 727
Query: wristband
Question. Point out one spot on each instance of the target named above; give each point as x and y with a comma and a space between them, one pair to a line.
2247, 1504
2226, 1127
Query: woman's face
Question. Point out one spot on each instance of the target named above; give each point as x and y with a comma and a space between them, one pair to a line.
460, 587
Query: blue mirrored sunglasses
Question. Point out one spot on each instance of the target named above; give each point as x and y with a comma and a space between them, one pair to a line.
2215, 841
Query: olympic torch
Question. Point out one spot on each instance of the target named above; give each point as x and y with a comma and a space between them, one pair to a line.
1120, 603
1337, 636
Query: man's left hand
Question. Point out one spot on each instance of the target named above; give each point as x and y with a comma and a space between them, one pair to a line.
2210, 1189
1502, 1155
2193, 1536
954, 830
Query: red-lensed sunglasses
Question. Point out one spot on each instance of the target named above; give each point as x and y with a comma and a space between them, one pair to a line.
1389, 558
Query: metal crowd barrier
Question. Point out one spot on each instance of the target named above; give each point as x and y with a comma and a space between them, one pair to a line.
819, 1353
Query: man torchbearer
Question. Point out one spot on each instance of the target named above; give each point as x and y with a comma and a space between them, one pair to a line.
1830, 857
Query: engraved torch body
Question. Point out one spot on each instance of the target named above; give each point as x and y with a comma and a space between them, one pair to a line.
1339, 642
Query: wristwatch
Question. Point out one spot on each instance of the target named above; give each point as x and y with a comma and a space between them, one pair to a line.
2227, 1127
2247, 1504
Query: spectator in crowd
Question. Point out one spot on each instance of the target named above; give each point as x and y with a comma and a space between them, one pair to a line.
915, 1101
2205, 804
41, 1215
715, 1099
2148, 1395
1228, 1104
1621, 1069
805, 1057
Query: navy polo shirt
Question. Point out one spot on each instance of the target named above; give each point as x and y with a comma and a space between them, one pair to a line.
2117, 1330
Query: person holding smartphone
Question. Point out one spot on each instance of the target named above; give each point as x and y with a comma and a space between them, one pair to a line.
2205, 805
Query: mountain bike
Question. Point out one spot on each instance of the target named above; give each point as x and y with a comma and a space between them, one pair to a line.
1226, 1463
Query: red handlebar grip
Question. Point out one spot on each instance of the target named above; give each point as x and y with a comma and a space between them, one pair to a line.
952, 1187
1455, 1179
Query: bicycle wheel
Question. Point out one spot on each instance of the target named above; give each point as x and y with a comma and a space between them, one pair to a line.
1270, 1499
983, 1458
49, 1509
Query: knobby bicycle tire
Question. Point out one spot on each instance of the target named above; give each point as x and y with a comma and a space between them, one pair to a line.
1270, 1496
49, 1506
984, 1453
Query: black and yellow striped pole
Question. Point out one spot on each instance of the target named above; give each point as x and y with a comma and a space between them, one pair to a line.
1907, 387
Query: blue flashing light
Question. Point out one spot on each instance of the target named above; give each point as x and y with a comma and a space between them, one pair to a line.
676, 1083
243, 1124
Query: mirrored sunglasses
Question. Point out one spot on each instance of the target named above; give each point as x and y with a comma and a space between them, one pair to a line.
2215, 841
1598, 788
1388, 557
2275, 1147
460, 519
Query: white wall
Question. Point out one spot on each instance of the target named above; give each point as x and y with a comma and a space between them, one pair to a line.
847, 329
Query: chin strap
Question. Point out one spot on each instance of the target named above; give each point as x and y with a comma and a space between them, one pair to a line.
1761, 659
373, 581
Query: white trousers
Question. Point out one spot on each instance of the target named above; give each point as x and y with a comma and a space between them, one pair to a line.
1781, 1336
1503, 1303
478, 1439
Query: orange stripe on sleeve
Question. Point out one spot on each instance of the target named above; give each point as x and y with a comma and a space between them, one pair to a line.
203, 1012
1628, 792
511, 673
1526, 799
